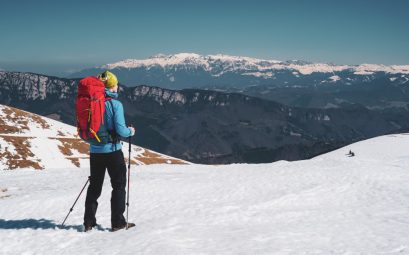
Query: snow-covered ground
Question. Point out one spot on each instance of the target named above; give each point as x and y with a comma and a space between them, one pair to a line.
30, 140
332, 204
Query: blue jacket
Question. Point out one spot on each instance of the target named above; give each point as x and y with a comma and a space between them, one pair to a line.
109, 121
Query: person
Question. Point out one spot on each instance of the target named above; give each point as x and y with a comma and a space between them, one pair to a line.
109, 156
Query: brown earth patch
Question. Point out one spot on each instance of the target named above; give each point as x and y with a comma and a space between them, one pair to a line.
149, 158
6, 129
69, 144
21, 118
133, 162
40, 121
3, 195
75, 161
19, 159
19, 123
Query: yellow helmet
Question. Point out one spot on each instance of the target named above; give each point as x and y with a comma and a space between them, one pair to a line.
109, 79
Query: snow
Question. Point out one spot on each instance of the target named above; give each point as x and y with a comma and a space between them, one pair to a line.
265, 75
400, 69
161, 60
186, 59
331, 204
366, 69
330, 105
251, 66
334, 78
45, 137
318, 67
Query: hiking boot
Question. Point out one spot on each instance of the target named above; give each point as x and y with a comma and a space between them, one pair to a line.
88, 227
116, 228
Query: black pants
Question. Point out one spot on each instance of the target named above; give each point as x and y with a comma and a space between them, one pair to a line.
115, 164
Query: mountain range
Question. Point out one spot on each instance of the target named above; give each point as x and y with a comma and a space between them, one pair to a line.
206, 126
293, 83
190, 70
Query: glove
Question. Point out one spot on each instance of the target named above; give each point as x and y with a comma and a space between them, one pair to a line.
132, 130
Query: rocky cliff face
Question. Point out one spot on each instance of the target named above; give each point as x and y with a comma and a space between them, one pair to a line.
31, 86
208, 126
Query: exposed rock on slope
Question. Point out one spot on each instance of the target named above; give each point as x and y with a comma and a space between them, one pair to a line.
30, 141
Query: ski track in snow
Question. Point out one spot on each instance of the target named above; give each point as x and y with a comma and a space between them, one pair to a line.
331, 204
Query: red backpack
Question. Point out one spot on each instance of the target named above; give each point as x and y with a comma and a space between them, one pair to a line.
90, 109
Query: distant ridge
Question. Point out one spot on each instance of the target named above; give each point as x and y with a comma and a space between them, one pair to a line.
248, 63
191, 70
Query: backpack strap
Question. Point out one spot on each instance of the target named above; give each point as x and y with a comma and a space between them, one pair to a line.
114, 135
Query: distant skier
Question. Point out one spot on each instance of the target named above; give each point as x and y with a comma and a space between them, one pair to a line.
351, 154
106, 153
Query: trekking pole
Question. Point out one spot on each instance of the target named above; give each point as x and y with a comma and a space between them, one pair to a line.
129, 176
72, 208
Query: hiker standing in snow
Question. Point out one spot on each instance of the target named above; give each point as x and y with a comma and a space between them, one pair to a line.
106, 152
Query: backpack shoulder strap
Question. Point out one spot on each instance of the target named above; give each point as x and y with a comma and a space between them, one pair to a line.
109, 99
114, 134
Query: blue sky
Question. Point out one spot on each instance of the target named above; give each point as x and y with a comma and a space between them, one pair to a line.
53, 37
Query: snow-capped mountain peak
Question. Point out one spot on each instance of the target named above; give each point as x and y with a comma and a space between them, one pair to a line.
191, 70
366, 69
160, 60
231, 63
194, 60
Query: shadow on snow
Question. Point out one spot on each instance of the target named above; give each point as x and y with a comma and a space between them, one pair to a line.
36, 224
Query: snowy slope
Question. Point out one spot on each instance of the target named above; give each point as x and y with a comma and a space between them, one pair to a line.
332, 204
31, 141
